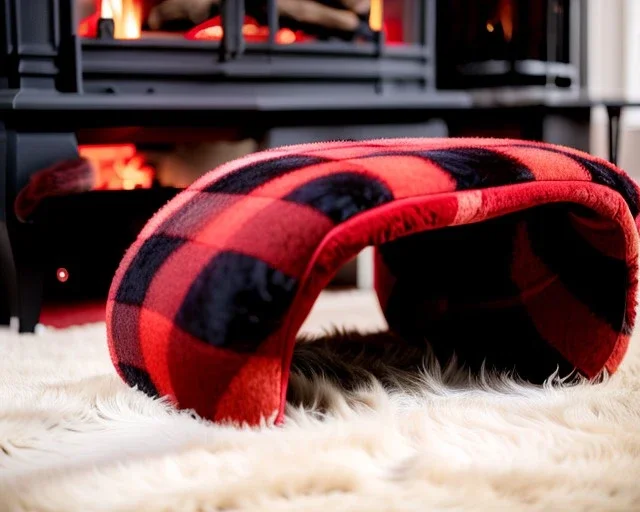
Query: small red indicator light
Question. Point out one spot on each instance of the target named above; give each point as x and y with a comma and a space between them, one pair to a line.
62, 274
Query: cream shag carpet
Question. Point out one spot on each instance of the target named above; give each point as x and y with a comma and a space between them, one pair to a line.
74, 438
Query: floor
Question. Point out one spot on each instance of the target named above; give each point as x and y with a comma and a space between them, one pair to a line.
73, 437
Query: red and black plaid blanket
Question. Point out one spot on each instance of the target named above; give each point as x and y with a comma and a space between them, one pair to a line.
521, 251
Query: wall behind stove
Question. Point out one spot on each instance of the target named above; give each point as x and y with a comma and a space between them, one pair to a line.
614, 71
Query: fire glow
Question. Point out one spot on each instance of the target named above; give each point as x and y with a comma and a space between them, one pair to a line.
118, 167
253, 32
375, 16
503, 18
127, 24
126, 16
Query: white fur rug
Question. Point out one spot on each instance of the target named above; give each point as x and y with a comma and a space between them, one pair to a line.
74, 438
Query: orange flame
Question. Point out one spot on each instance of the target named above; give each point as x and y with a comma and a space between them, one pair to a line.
126, 15
118, 167
375, 15
506, 18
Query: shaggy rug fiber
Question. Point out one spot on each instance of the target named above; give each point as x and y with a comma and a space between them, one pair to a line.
370, 427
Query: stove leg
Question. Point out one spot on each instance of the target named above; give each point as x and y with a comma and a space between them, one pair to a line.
29, 276
27, 153
7, 273
5, 313
7, 276
613, 128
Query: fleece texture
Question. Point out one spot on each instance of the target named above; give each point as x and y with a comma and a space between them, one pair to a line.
64, 178
515, 253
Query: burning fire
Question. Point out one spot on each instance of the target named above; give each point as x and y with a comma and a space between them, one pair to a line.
118, 167
126, 15
504, 18
127, 22
375, 16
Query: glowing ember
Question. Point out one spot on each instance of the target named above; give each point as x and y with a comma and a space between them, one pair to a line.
252, 31
286, 36
62, 274
118, 167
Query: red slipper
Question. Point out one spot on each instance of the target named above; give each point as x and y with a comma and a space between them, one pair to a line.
522, 251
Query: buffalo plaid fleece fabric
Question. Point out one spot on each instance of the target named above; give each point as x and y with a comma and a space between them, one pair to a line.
518, 252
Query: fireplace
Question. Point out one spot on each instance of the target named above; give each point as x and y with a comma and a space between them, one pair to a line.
145, 103
511, 43
281, 22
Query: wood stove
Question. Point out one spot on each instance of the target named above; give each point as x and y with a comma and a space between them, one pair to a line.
78, 77
497, 43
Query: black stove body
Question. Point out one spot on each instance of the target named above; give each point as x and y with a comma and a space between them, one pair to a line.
54, 84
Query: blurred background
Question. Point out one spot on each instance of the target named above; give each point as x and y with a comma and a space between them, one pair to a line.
613, 48
108, 108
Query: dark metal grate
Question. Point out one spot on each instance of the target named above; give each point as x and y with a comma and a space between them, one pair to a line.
39, 49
